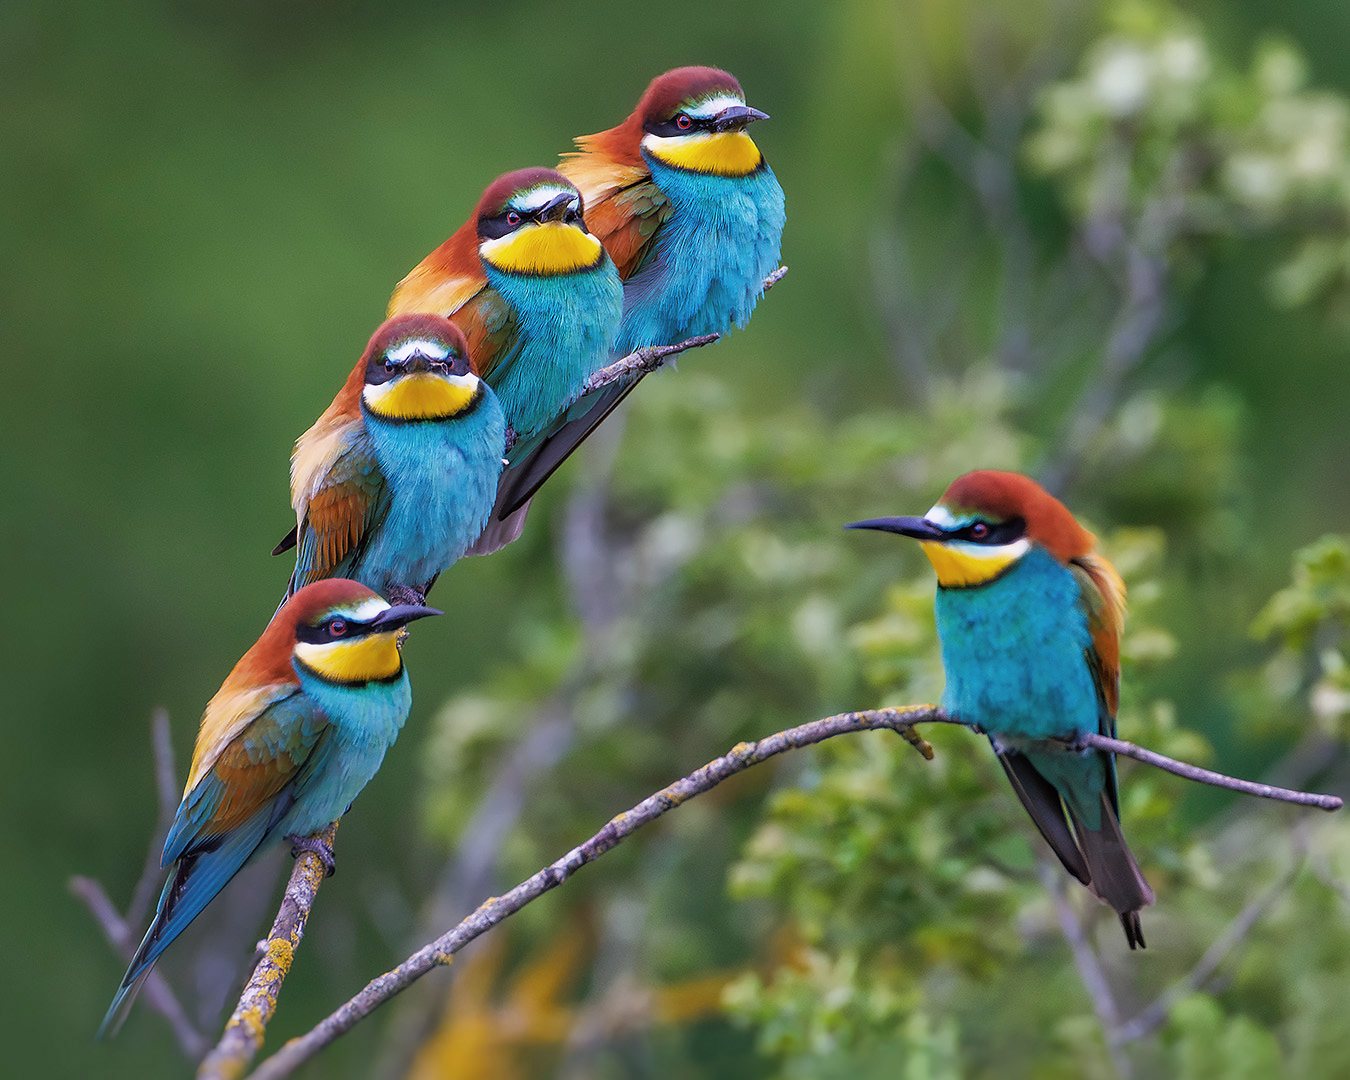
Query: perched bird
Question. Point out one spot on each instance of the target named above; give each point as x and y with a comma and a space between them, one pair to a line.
692, 216
396, 479
537, 298
1029, 617
295, 732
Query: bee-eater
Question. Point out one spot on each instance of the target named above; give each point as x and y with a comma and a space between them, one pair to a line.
1029, 616
294, 733
539, 301
692, 216
396, 479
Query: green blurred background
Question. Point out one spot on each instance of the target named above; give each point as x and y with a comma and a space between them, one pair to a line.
205, 206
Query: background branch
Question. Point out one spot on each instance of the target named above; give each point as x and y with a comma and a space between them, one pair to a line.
123, 930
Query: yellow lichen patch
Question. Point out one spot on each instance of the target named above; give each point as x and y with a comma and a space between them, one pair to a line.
364, 659
421, 396
544, 250
720, 153
960, 567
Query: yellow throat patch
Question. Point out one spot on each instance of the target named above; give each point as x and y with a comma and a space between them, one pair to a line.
543, 250
721, 153
960, 566
421, 396
374, 657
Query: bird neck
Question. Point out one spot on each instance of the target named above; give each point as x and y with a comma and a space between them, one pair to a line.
375, 710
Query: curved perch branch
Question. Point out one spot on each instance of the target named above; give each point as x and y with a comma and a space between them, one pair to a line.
901, 720
650, 357
491, 912
243, 1035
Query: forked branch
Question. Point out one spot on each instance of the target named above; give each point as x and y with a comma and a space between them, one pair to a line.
741, 757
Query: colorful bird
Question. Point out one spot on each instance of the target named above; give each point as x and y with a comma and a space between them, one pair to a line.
539, 302
396, 479
1030, 616
692, 216
295, 732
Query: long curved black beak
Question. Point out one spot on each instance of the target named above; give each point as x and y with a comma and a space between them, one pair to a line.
735, 117
401, 615
556, 207
917, 527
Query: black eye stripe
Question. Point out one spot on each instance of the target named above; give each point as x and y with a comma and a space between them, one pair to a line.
998, 534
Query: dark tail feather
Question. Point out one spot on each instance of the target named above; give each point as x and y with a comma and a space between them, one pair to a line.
1040, 799
1116, 877
522, 479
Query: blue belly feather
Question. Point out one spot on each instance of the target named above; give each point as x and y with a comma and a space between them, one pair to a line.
710, 257
1014, 653
442, 483
565, 328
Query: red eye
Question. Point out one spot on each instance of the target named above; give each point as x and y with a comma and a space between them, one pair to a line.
979, 530
512, 218
683, 122
337, 628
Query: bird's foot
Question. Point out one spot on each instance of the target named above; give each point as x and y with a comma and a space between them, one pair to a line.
407, 594
316, 845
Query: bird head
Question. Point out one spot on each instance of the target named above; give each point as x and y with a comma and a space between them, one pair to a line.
531, 222
694, 118
341, 632
985, 523
416, 368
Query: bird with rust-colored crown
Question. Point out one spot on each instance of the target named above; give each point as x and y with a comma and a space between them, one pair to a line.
692, 216
395, 481
1030, 615
539, 301
296, 731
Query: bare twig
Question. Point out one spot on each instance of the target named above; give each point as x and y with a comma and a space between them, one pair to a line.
243, 1035
493, 911
1214, 779
1089, 966
156, 991
650, 357
1155, 1014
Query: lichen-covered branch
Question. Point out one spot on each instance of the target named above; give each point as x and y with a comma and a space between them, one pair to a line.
650, 357
243, 1035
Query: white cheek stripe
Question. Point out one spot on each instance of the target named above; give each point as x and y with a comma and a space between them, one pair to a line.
713, 106
433, 349
541, 196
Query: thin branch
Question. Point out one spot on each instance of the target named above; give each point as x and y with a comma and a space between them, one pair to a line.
493, 911
243, 1035
650, 357
156, 991
166, 785
1090, 971
1155, 1015
1214, 779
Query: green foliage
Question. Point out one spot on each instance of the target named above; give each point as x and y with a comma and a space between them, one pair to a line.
1160, 132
